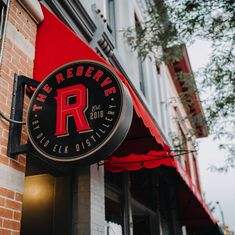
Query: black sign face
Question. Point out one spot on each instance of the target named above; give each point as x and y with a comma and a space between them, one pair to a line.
81, 112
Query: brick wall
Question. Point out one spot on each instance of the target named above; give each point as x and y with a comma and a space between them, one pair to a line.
18, 56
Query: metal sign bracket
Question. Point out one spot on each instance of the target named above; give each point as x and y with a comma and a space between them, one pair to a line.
15, 129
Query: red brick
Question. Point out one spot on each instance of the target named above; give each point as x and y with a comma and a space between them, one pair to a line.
14, 61
18, 52
5, 75
6, 193
7, 57
4, 160
4, 91
16, 165
22, 160
1, 221
2, 202
5, 213
17, 215
13, 204
11, 19
20, 19
4, 141
5, 232
5, 67
11, 224
19, 197
8, 44
15, 233
5, 109
4, 152
5, 133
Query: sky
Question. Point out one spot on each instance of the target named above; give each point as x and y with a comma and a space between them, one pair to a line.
216, 186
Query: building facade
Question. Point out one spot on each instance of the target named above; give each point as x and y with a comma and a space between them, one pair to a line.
144, 187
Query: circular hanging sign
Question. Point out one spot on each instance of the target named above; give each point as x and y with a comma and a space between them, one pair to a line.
80, 112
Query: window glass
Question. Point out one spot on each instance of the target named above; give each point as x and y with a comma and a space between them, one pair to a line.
140, 62
110, 16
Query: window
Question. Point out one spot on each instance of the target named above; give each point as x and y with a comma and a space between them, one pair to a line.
182, 146
3, 13
182, 141
162, 99
110, 16
131, 202
196, 174
140, 62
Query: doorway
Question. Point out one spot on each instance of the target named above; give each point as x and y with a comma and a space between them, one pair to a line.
47, 203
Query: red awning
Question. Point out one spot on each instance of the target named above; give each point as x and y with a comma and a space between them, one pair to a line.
140, 148
144, 146
194, 210
57, 45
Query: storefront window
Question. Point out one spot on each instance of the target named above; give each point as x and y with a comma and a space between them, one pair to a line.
141, 187
114, 204
141, 223
113, 211
130, 202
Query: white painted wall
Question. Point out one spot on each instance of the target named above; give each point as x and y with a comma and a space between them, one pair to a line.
156, 85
